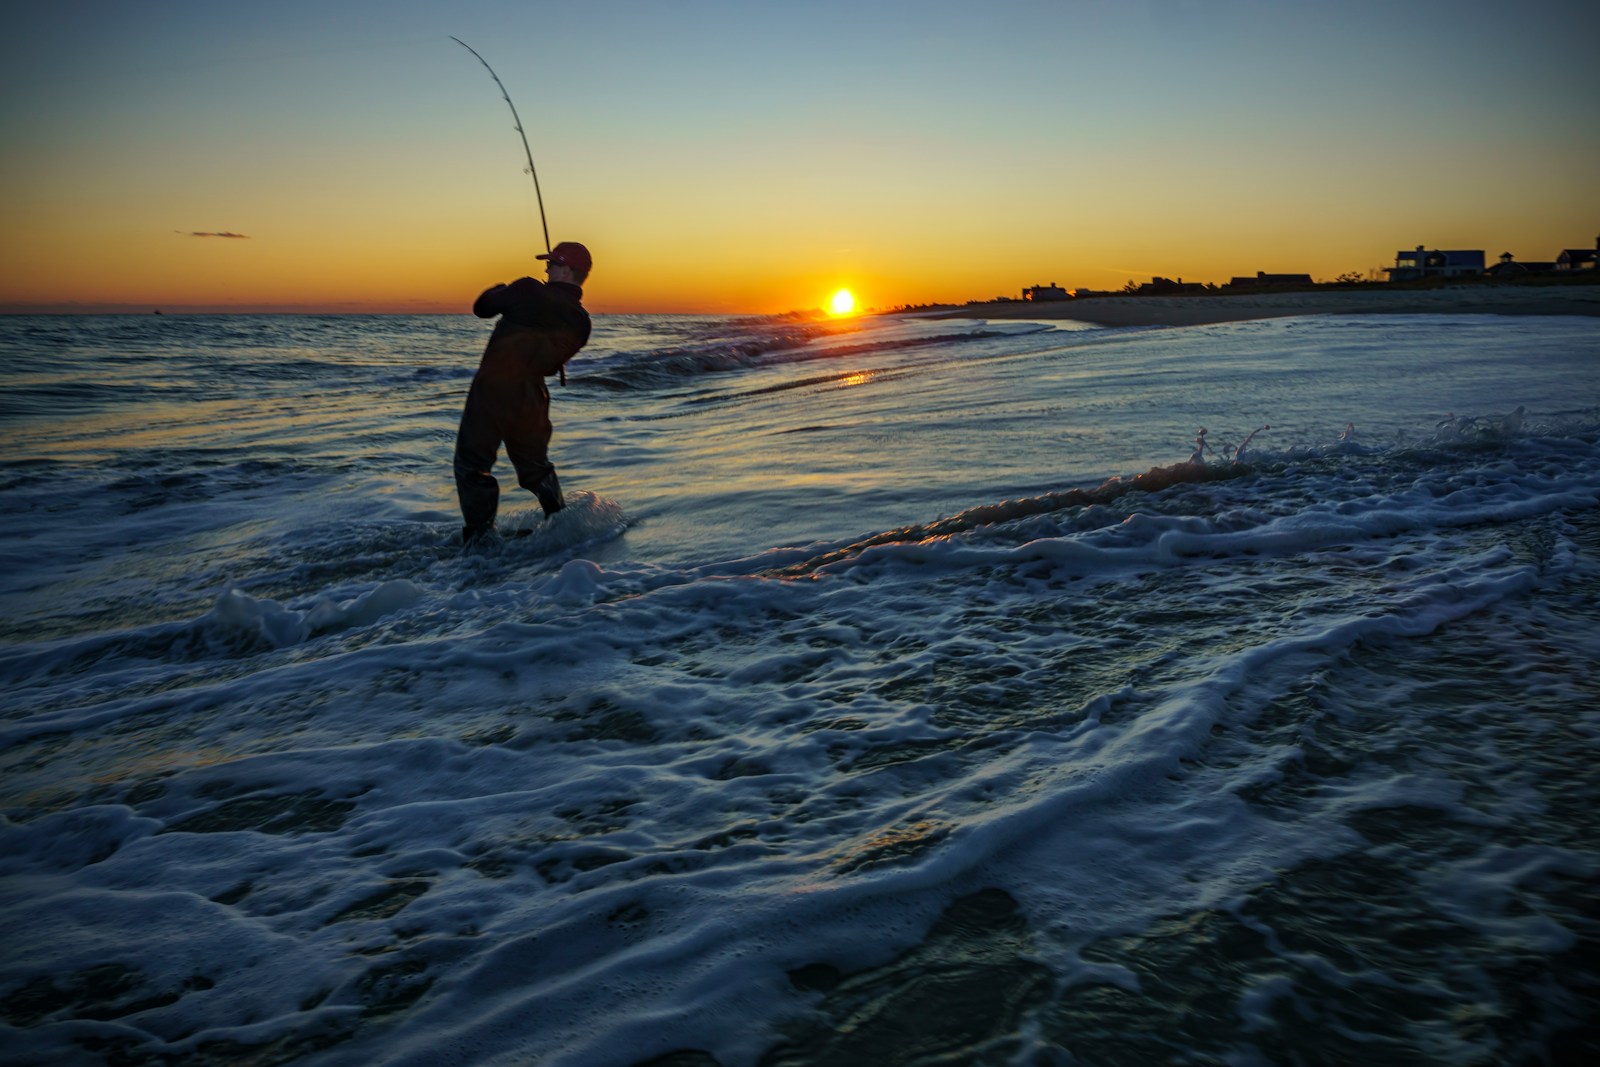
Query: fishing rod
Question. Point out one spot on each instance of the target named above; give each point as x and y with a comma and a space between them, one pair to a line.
518, 120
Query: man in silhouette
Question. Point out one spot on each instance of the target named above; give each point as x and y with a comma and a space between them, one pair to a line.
542, 325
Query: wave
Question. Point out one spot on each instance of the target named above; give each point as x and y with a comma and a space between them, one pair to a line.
380, 582
653, 368
1422, 477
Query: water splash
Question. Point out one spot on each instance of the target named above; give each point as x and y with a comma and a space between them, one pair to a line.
1491, 429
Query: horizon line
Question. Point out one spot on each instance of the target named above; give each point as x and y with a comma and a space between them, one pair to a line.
73, 308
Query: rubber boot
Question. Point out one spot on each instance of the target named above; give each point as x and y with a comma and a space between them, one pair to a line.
549, 493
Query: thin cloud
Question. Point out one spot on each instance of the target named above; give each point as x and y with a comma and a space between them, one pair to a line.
213, 233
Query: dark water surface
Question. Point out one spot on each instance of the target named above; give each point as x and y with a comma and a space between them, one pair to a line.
892, 692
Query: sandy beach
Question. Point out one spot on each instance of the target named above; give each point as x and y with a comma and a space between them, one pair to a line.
1240, 307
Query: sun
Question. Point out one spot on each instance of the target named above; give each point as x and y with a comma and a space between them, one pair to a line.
842, 302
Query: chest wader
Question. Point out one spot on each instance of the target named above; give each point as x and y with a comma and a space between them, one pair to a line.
507, 404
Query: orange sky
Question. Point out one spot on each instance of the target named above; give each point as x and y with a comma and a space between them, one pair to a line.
731, 157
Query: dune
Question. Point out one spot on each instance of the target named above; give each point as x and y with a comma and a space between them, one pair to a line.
1194, 310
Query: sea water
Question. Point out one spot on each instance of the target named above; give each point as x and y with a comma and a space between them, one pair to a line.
892, 690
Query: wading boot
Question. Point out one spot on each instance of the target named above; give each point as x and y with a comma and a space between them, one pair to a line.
549, 493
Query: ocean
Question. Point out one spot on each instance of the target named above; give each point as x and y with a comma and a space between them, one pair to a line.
893, 690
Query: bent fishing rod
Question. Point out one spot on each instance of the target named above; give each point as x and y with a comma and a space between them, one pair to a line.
518, 120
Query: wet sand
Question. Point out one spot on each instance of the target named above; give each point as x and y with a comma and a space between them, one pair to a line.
1241, 307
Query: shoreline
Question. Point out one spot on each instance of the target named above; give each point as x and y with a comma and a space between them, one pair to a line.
1210, 308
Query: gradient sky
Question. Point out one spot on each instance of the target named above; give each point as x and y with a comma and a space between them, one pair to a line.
755, 156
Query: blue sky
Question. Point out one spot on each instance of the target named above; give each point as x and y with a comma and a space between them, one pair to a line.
914, 150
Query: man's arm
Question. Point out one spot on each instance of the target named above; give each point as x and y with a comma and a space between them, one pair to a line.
527, 300
530, 302
491, 302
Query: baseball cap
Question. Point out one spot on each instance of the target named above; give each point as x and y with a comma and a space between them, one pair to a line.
571, 254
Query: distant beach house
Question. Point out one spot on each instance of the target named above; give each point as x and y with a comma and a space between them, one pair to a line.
1509, 267
1045, 292
1570, 260
1169, 287
1264, 280
1419, 264
1578, 258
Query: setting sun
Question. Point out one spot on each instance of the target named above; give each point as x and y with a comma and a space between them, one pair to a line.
842, 302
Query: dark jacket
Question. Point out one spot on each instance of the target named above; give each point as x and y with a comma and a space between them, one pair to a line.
541, 327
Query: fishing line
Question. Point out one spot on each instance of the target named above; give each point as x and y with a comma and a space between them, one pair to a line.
518, 120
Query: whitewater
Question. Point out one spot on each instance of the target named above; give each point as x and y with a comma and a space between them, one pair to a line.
893, 690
